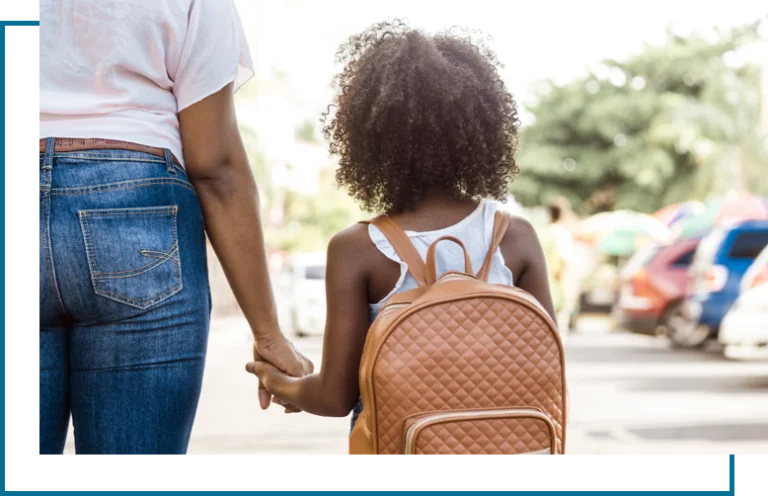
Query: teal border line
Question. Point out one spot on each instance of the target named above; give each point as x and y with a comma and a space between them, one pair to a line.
5, 24
34, 22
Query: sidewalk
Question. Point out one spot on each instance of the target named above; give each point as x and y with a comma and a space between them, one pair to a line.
229, 419
628, 394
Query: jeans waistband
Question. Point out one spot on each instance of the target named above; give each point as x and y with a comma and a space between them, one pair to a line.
75, 144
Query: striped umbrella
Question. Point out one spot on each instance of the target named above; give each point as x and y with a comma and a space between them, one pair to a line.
723, 211
621, 231
673, 214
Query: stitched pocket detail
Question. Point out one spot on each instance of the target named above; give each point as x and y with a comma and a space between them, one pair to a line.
133, 253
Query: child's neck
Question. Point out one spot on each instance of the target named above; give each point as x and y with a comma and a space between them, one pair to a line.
435, 212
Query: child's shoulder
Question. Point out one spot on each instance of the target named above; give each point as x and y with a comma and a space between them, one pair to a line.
355, 236
353, 253
520, 244
354, 245
520, 230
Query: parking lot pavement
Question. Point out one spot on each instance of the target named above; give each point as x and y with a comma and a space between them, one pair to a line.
634, 394
628, 394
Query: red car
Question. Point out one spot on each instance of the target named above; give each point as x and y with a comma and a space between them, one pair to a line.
653, 286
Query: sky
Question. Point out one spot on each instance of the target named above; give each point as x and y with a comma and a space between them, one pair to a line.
534, 39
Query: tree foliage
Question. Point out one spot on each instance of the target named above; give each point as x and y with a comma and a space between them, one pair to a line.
309, 221
672, 123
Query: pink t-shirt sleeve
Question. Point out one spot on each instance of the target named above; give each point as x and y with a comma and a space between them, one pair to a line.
214, 52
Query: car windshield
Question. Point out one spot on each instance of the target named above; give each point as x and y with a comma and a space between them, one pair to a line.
640, 259
314, 272
684, 260
748, 245
707, 250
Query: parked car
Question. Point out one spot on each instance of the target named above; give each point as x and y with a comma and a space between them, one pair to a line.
307, 293
599, 290
714, 279
744, 330
653, 287
757, 273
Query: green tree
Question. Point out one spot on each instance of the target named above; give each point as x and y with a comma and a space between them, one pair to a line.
311, 220
261, 170
672, 123
306, 132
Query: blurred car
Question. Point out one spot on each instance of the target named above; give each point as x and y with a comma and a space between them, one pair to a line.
653, 286
599, 290
714, 280
307, 293
744, 330
757, 273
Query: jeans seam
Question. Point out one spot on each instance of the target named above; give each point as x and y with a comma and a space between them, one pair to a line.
106, 158
92, 264
117, 186
48, 247
178, 247
142, 304
106, 212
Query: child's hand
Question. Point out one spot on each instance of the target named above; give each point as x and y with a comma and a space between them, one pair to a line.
285, 356
289, 408
275, 381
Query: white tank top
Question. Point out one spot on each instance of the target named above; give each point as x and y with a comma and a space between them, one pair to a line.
474, 231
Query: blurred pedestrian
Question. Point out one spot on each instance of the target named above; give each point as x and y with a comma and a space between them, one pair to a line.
558, 245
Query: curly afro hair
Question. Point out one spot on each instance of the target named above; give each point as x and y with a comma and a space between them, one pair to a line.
417, 115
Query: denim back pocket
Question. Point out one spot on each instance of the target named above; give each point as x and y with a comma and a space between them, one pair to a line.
133, 253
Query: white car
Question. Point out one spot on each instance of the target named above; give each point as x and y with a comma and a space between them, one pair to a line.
744, 330
757, 273
307, 293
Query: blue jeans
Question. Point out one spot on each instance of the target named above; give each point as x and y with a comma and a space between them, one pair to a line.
124, 302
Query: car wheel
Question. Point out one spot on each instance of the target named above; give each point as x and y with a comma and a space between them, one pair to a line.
297, 331
672, 316
686, 334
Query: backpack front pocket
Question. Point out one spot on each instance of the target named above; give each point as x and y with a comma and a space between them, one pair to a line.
510, 431
133, 253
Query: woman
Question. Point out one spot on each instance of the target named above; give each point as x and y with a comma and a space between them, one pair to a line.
139, 147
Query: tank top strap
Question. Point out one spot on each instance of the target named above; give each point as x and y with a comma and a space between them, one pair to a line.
475, 231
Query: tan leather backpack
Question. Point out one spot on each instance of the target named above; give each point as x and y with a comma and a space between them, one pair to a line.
460, 366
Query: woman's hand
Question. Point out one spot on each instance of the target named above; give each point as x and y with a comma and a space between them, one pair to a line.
284, 357
217, 165
273, 381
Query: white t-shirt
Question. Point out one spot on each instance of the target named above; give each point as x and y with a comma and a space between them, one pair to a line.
125, 69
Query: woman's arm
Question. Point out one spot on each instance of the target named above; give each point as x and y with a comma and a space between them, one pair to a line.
218, 167
334, 391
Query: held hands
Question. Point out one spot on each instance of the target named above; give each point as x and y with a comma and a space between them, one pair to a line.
276, 361
272, 381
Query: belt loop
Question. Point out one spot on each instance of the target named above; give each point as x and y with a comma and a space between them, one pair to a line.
169, 161
48, 158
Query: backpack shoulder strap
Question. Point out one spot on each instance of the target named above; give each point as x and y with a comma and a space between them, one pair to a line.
500, 226
402, 246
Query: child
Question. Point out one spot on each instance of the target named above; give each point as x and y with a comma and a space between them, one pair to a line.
425, 131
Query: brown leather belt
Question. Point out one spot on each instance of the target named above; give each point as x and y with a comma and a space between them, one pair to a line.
74, 144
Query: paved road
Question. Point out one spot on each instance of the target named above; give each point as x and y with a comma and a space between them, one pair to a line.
629, 394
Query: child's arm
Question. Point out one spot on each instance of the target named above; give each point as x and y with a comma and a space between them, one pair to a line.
525, 258
334, 391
